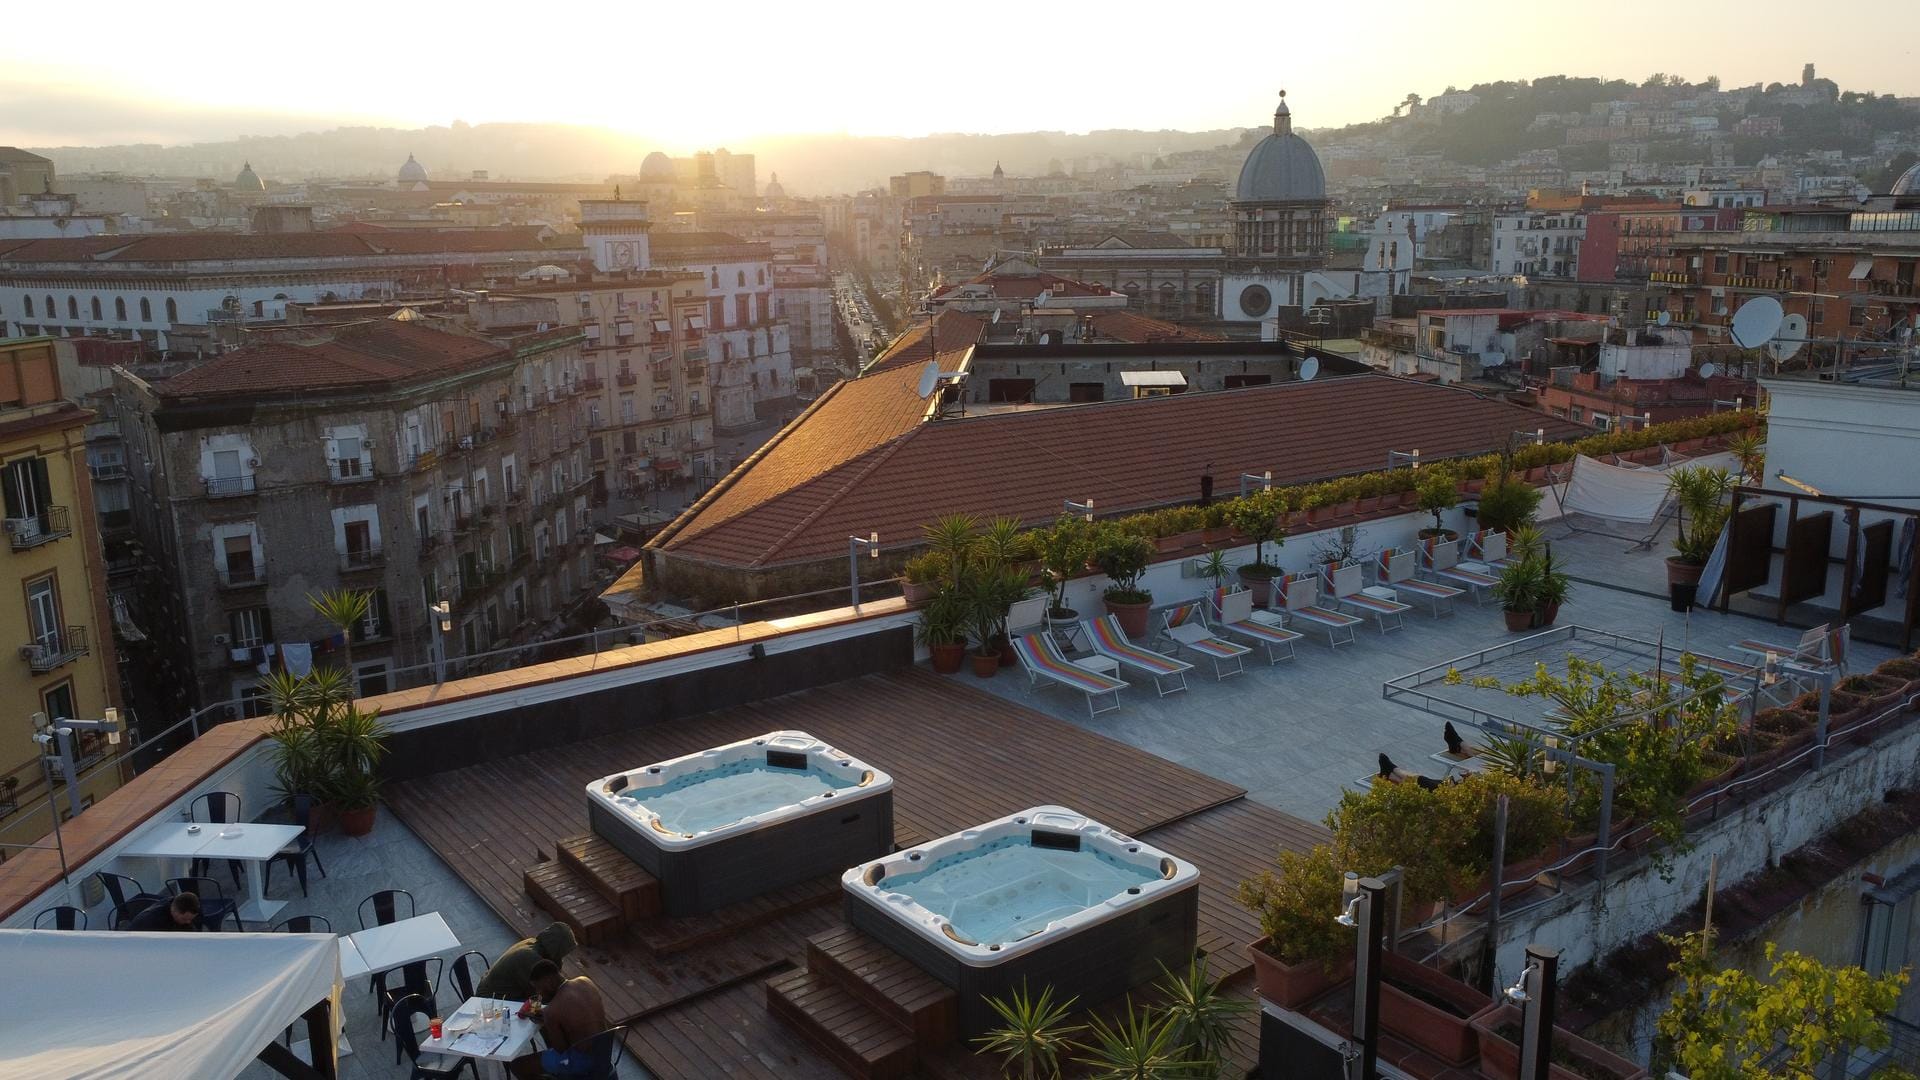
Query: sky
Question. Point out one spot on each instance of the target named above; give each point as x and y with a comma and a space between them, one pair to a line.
690, 75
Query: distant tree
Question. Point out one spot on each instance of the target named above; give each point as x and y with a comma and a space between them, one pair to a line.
1881, 179
1655, 81
1712, 83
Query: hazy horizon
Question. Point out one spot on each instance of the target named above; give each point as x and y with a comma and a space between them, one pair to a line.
784, 71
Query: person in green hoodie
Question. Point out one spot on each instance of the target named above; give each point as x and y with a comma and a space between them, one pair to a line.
511, 977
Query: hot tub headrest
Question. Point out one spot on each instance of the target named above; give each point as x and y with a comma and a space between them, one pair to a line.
786, 759
947, 929
1168, 868
1042, 838
617, 784
874, 874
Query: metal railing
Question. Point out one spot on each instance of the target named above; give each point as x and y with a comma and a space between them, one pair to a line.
50, 524
350, 471
362, 559
62, 646
242, 577
223, 487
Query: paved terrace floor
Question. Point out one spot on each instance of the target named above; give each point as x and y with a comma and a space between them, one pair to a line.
1297, 734
958, 757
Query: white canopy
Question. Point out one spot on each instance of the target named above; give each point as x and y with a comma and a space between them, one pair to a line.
86, 1005
1614, 492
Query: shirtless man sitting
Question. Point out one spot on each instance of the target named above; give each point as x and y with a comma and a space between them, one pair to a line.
574, 1014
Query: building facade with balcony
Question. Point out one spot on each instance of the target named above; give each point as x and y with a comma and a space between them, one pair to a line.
1539, 243
413, 463
60, 658
747, 348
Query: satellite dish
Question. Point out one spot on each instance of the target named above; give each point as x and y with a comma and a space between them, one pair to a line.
996, 315
929, 378
1046, 339
1666, 317
1708, 371
1862, 193
1309, 368
1757, 322
1790, 340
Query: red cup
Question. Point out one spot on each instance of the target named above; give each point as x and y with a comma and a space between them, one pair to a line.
433, 1027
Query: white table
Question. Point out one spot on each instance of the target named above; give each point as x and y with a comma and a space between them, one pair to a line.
352, 964
252, 842
1099, 665
1381, 592
518, 1038
383, 948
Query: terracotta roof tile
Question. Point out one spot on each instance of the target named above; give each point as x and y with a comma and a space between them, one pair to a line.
203, 246
1126, 455
1127, 326
361, 354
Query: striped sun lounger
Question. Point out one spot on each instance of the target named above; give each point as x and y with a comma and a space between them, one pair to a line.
1394, 569
1345, 583
1302, 600
1441, 560
1186, 626
1111, 642
1486, 552
1233, 609
1043, 660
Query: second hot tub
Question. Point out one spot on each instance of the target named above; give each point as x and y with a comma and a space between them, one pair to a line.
1047, 897
736, 821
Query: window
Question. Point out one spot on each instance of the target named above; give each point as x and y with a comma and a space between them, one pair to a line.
57, 702
1856, 315
359, 536
237, 563
347, 464
173, 312
73, 308
27, 495
26, 303
94, 304
52, 312
740, 277
249, 628
743, 309
43, 613
146, 310
1086, 391
378, 623
253, 700
372, 677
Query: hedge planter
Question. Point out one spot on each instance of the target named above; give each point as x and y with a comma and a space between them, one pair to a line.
1574, 1058
1293, 985
1430, 1010
916, 593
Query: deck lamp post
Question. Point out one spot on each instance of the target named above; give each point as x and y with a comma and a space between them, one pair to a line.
57, 736
1409, 458
870, 545
1084, 509
1536, 437
1372, 906
1736, 404
1262, 481
1534, 992
440, 620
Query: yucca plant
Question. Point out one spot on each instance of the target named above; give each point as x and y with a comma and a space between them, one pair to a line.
1002, 543
1034, 1034
1514, 755
953, 536
1203, 1018
344, 609
1701, 493
1140, 1045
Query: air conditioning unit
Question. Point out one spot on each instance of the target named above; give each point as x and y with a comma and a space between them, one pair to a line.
221, 640
366, 444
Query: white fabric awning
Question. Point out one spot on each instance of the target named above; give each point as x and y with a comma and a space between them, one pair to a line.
1614, 492
1152, 378
1861, 268
95, 1005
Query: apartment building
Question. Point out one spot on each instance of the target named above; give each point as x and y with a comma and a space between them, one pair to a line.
1538, 243
57, 625
419, 465
749, 348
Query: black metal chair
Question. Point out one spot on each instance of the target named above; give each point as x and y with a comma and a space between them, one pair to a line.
61, 918
407, 1041
304, 924
466, 974
386, 906
420, 979
215, 905
603, 1052
303, 848
219, 808
130, 898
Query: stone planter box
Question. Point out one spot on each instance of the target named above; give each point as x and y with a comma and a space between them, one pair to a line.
1293, 985
1430, 1010
1500, 1058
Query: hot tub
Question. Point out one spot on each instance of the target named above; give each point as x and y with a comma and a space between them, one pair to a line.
1047, 896
730, 823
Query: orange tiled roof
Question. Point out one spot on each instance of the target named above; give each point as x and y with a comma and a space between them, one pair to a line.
362, 354
210, 246
1126, 455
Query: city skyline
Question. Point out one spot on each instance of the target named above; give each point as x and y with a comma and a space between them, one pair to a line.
756, 85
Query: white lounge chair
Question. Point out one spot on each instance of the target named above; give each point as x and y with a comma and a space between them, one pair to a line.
1233, 610
1441, 561
1302, 601
1186, 626
1394, 570
1042, 659
1811, 648
1168, 673
1486, 552
1345, 583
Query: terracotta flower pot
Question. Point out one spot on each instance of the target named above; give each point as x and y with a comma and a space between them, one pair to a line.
1543, 616
1518, 621
1500, 1056
986, 665
357, 822
1133, 617
1680, 572
948, 658
1005, 649
1292, 985
1430, 1010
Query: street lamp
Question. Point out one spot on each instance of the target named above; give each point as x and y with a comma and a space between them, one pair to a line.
870, 544
441, 623
57, 735
1264, 481
1084, 509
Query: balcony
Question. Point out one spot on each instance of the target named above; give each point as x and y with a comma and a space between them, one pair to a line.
699, 408
489, 510
696, 370
424, 460
514, 495
697, 352
49, 525
227, 487
428, 545
592, 385
662, 373
1778, 283
1674, 277
362, 559
247, 576
462, 524
108, 470
626, 378
350, 471
1893, 288
54, 649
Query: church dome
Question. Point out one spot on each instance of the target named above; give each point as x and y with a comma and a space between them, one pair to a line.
412, 172
248, 180
1908, 184
656, 166
774, 190
1282, 166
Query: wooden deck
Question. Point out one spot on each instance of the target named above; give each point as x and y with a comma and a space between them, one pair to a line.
958, 757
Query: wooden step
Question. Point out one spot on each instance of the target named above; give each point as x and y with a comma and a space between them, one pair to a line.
864, 1043
889, 983
624, 883
567, 896
666, 936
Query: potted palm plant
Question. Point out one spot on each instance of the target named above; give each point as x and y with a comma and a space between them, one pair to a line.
1518, 591
943, 629
1124, 556
1552, 590
989, 591
1034, 1037
1215, 568
1204, 1019
1257, 517
1700, 492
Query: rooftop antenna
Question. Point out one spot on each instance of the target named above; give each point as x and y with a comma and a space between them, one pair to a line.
1709, 370
1309, 368
1757, 322
1665, 319
932, 378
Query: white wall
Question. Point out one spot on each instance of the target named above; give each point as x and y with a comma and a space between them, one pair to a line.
1833, 435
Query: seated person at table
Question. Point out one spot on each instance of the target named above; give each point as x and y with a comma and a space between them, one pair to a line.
574, 1014
180, 913
511, 977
